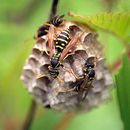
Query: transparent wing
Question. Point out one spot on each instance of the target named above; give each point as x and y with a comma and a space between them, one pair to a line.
70, 46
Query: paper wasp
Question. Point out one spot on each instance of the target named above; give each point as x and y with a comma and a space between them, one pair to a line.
44, 29
49, 29
60, 43
84, 83
63, 45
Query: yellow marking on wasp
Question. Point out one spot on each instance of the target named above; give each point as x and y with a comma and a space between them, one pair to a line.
62, 40
63, 35
56, 58
56, 19
53, 21
46, 30
61, 80
39, 76
59, 47
62, 44
47, 24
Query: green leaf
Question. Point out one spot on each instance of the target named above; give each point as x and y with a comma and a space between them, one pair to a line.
117, 23
123, 92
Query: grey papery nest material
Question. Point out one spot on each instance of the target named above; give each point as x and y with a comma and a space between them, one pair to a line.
52, 93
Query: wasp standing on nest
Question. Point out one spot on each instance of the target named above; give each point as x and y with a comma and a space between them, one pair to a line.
44, 29
49, 30
63, 44
88, 68
84, 83
60, 43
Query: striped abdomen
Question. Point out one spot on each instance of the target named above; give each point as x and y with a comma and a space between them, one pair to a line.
56, 21
62, 40
54, 65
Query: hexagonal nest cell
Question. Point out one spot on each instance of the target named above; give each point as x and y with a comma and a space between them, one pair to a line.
59, 93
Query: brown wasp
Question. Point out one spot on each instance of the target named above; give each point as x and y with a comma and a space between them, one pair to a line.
63, 45
49, 29
60, 43
44, 29
84, 83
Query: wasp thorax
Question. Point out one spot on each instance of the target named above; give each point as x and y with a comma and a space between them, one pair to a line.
54, 62
90, 73
66, 68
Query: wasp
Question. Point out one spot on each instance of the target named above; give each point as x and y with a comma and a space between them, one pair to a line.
54, 65
62, 40
84, 83
88, 68
63, 44
60, 43
44, 29
49, 29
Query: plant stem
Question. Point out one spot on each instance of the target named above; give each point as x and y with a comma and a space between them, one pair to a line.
65, 121
53, 9
30, 116
31, 112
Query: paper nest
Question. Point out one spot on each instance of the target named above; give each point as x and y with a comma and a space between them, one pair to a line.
52, 93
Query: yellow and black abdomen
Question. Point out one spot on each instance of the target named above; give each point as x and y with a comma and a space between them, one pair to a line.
54, 65
62, 40
56, 21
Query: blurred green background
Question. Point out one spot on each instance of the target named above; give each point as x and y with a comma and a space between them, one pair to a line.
19, 21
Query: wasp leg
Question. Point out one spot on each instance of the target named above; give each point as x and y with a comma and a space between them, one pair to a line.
72, 89
78, 78
62, 90
72, 72
60, 79
39, 76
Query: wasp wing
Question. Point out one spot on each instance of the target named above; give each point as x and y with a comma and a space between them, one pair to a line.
70, 46
51, 40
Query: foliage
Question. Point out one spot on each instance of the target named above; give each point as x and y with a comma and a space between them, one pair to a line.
117, 23
19, 22
123, 89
